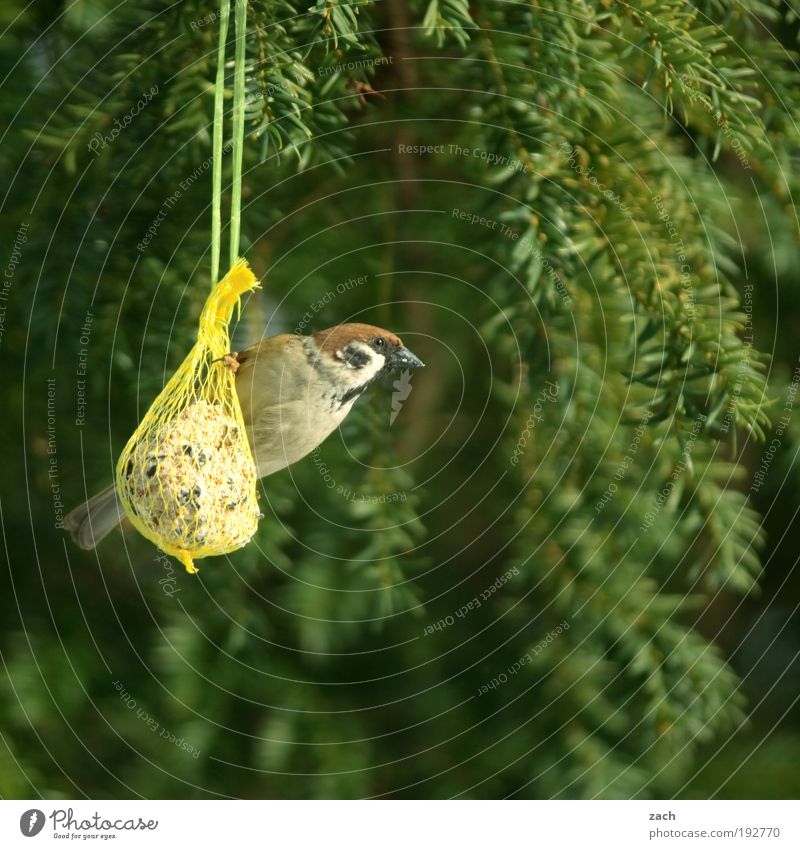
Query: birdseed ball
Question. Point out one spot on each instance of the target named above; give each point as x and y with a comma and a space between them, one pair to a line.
191, 482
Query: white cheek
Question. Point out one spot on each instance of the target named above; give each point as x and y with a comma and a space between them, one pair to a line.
372, 368
341, 355
355, 375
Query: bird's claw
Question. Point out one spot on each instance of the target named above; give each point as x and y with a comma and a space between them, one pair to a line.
231, 361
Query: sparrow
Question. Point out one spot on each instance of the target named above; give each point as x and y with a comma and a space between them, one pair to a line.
294, 391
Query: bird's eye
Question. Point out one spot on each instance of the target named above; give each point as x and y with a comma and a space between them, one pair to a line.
378, 342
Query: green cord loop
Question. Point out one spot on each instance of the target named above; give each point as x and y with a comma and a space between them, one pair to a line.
238, 135
219, 116
238, 127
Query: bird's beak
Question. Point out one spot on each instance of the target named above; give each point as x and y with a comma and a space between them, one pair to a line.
403, 358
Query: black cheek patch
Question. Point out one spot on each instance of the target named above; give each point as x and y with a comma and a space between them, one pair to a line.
356, 357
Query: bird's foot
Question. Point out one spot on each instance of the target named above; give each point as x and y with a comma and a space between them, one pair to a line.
231, 361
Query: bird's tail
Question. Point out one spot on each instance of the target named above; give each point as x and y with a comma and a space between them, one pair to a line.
95, 518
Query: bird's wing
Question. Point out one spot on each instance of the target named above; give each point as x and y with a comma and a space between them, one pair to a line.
267, 376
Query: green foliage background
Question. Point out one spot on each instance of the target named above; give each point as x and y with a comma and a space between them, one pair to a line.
595, 253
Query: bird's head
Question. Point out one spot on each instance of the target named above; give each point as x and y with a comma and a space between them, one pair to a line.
356, 355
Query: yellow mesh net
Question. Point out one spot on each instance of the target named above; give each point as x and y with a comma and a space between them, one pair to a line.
186, 478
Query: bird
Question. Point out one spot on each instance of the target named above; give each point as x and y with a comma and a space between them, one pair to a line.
294, 391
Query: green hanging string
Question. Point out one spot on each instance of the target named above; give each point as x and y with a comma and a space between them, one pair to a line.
238, 126
240, 11
219, 116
